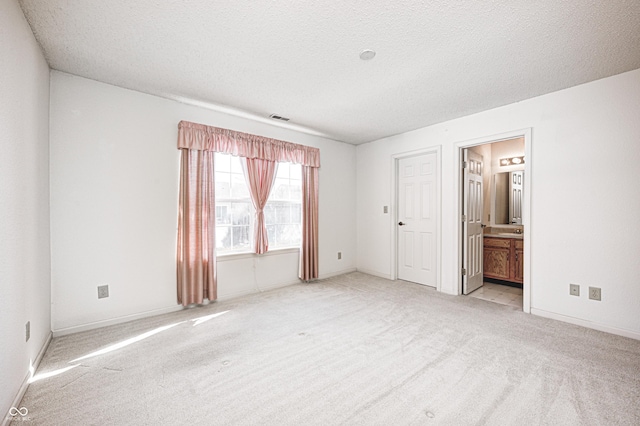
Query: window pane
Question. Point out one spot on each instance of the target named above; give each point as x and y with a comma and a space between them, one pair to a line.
296, 213
283, 170
240, 213
236, 167
240, 237
234, 211
269, 213
223, 213
223, 185
295, 192
283, 213
222, 162
239, 187
288, 235
223, 237
271, 234
280, 191
295, 171
285, 234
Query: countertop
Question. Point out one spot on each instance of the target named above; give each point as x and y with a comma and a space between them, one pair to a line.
505, 235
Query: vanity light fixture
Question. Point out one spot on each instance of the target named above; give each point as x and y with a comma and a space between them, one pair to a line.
512, 161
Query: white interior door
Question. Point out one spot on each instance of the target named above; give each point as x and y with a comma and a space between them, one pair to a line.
417, 219
472, 257
515, 203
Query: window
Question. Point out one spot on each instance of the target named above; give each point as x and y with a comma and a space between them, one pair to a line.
283, 211
235, 212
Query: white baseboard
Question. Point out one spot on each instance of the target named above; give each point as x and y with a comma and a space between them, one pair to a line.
335, 274
588, 324
25, 383
374, 273
255, 290
280, 285
113, 321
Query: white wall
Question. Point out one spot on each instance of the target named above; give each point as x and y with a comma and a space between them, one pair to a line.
24, 201
585, 157
114, 192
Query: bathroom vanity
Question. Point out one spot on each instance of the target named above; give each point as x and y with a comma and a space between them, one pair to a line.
503, 246
504, 257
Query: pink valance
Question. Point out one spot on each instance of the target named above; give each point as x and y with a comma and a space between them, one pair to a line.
199, 137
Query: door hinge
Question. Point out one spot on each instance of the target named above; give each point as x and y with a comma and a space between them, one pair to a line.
464, 217
464, 164
464, 271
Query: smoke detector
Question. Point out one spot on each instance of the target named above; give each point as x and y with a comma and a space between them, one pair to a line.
367, 54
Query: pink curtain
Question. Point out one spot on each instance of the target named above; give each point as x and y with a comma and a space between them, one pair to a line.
196, 255
260, 175
196, 240
309, 249
209, 138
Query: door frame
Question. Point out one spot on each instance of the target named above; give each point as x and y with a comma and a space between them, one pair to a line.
393, 213
526, 211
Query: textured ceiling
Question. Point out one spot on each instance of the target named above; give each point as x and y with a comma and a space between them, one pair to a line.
436, 60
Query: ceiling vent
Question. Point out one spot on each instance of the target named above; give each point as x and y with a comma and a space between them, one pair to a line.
278, 117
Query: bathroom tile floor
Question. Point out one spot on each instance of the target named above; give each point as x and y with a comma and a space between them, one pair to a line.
497, 293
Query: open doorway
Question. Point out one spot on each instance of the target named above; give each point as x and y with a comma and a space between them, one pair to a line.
494, 194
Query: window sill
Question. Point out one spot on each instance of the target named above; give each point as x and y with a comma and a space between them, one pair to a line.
245, 255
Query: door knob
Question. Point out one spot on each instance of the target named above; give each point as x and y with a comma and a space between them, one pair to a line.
401, 223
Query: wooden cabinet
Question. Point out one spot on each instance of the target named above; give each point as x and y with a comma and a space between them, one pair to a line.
504, 259
497, 253
518, 261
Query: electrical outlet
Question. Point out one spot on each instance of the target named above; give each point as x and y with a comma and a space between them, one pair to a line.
27, 331
385, 209
103, 291
574, 289
339, 255
595, 293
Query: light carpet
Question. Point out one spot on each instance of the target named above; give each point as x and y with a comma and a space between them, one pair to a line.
353, 349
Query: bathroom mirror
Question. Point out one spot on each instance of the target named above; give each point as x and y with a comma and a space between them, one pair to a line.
508, 190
